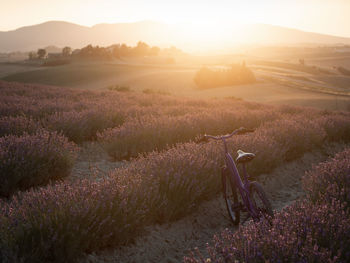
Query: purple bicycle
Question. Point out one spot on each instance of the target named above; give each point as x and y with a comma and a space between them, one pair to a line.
253, 198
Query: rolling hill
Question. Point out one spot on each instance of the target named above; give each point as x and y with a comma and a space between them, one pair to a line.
61, 34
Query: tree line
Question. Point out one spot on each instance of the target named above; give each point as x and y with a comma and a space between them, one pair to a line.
115, 51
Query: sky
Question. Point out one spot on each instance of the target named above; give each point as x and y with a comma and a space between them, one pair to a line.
321, 16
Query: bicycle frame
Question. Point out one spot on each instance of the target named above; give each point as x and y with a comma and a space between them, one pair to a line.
243, 187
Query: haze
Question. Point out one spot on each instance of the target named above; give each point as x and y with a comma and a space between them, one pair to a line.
322, 16
104, 110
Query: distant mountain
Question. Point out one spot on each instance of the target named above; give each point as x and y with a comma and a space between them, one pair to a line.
60, 34
268, 34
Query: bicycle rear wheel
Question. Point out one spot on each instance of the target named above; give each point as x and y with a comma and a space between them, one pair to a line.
260, 201
231, 198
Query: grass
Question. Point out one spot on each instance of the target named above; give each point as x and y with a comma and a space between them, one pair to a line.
73, 74
119, 88
297, 67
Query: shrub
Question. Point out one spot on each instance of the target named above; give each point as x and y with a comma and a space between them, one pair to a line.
194, 170
176, 180
152, 91
18, 125
237, 74
82, 126
337, 127
59, 222
56, 62
313, 230
295, 135
119, 88
330, 179
87, 216
303, 232
31, 160
140, 135
67, 220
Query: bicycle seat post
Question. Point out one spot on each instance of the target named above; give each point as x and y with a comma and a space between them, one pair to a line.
245, 174
225, 145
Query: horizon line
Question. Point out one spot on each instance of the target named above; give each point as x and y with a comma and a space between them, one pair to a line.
160, 22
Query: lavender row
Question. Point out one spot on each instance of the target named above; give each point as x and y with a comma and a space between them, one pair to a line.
32, 160
159, 187
59, 222
141, 135
303, 232
86, 216
314, 230
79, 115
330, 180
38, 101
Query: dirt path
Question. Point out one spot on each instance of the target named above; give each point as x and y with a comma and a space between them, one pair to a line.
92, 163
171, 242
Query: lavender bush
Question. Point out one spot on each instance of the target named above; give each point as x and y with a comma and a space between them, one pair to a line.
313, 230
59, 222
140, 123
337, 126
160, 186
193, 170
163, 186
18, 125
303, 232
330, 180
31, 160
82, 126
140, 135
296, 135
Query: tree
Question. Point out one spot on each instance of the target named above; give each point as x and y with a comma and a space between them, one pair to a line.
154, 51
124, 50
86, 51
41, 53
141, 49
66, 51
32, 55
116, 51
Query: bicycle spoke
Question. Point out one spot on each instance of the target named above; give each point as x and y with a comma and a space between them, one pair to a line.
261, 203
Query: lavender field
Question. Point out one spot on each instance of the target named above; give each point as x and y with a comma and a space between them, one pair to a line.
315, 229
165, 176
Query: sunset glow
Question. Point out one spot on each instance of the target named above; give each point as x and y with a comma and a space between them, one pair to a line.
323, 16
179, 131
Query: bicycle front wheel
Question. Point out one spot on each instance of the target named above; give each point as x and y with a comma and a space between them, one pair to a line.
231, 198
260, 201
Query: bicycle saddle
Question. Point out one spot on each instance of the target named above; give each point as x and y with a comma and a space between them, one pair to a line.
244, 157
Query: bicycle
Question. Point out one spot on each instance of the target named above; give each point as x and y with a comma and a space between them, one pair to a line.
254, 198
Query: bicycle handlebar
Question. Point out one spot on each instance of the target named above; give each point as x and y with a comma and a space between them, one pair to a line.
238, 131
